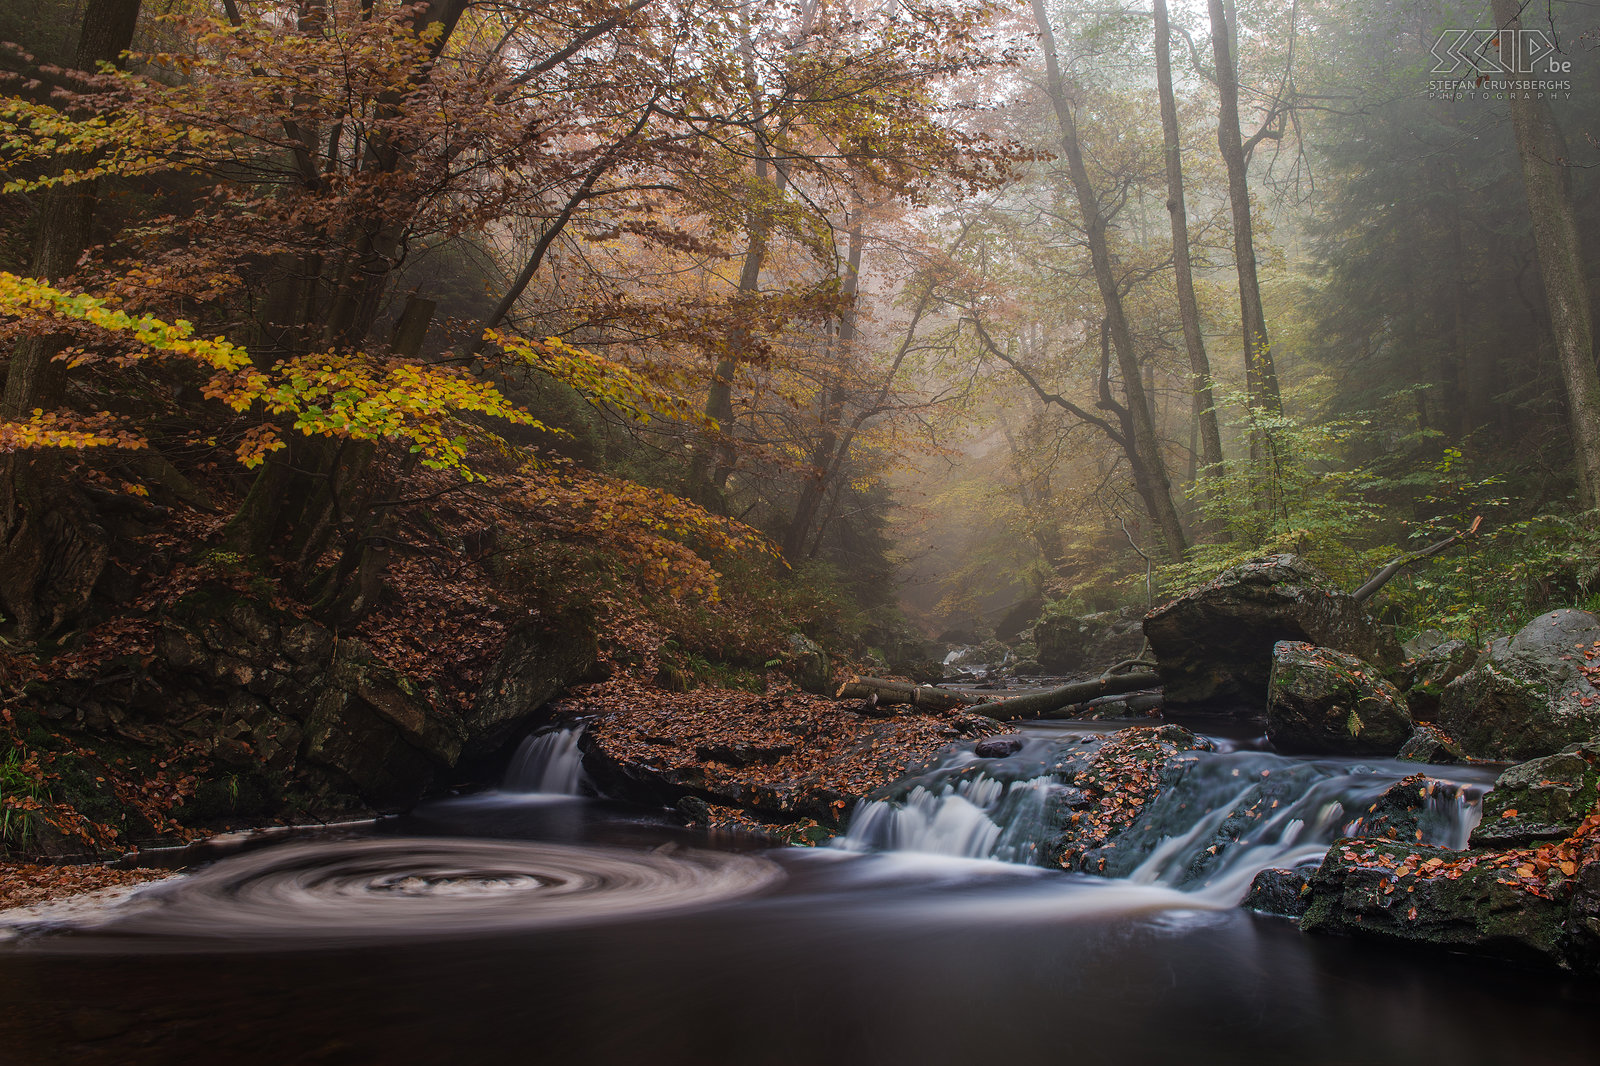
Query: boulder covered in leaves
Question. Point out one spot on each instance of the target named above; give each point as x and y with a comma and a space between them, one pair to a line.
1214, 643
1430, 744
1541, 799
1531, 694
1536, 902
1323, 701
1114, 781
781, 758
1474, 902
1411, 810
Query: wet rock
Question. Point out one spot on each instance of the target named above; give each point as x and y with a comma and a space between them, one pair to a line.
1028, 668
813, 671
1214, 643
1432, 745
1119, 776
997, 747
1410, 810
1282, 892
1323, 701
532, 667
781, 758
697, 810
1542, 799
1531, 694
743, 754
1087, 644
1423, 677
1371, 889
1583, 920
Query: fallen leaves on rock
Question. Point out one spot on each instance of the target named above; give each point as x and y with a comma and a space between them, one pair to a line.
1541, 871
781, 758
22, 884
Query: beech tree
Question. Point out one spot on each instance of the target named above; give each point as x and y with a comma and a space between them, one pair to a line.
1138, 436
1543, 152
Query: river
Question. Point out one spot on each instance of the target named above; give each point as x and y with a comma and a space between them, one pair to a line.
544, 927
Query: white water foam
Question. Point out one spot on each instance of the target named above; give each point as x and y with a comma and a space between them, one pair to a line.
1200, 843
547, 763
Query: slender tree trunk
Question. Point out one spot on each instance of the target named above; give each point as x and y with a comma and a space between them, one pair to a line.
1188, 308
1261, 378
1555, 234
831, 404
1150, 471
711, 466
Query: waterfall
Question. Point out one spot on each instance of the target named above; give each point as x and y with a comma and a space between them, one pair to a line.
547, 763
1227, 816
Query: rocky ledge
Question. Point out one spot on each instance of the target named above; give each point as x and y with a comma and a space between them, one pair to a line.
784, 760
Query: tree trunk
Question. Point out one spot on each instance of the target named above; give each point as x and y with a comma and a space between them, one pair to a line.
51, 551
1261, 378
1150, 474
1028, 705
1555, 234
898, 692
831, 405
1188, 306
1038, 704
298, 494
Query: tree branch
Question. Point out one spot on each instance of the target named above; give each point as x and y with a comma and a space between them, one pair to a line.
1381, 578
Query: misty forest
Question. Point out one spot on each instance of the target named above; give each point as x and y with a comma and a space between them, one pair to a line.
799, 531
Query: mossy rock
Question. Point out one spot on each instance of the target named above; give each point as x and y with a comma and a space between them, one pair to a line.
1357, 892
1542, 799
1323, 701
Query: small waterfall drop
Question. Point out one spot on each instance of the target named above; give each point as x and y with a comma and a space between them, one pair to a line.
548, 763
1225, 818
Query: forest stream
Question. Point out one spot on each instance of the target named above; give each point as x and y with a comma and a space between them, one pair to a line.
537, 923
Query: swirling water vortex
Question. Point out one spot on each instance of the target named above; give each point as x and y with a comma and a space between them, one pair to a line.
395, 887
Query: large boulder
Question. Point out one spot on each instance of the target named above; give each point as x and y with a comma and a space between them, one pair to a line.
1087, 644
1527, 889
1461, 901
1323, 701
1214, 643
1424, 676
1542, 799
809, 662
533, 665
1531, 694
781, 758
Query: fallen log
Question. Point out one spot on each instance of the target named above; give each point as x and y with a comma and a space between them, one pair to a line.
1029, 705
1039, 704
879, 691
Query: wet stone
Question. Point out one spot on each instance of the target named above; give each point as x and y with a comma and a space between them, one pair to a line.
1282, 892
997, 747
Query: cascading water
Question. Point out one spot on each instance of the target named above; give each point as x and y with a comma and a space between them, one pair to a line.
548, 763
1227, 815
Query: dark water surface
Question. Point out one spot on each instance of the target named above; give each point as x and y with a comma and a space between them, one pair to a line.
511, 929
